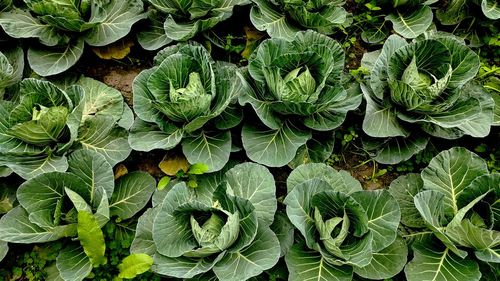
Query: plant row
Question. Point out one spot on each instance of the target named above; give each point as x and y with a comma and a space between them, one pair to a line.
230, 228
63, 28
297, 91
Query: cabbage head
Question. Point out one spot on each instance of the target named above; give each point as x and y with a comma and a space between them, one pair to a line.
283, 18
451, 217
45, 122
346, 230
185, 98
174, 20
64, 26
296, 92
421, 89
218, 231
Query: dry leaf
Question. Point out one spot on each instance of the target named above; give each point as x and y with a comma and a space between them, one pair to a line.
117, 50
171, 164
253, 36
120, 170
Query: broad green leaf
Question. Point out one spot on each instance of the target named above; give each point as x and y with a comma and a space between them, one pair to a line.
381, 120
100, 134
91, 238
115, 19
43, 131
374, 35
262, 254
431, 264
53, 273
78, 201
378, 73
316, 150
265, 16
182, 267
395, 150
11, 67
450, 172
486, 242
491, 9
307, 265
256, 184
430, 204
143, 241
93, 169
43, 196
132, 193
134, 264
147, 136
173, 236
15, 227
20, 24
385, 263
454, 13
284, 230
299, 207
152, 36
412, 23
273, 148
480, 125
208, 148
29, 167
4, 248
100, 99
46, 62
339, 180
383, 216
403, 189
72, 263
464, 61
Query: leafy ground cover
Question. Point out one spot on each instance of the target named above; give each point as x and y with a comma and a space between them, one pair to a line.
250, 140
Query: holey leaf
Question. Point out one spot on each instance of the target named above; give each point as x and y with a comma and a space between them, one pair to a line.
91, 238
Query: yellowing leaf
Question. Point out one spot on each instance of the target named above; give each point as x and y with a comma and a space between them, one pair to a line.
91, 238
170, 165
117, 50
120, 170
253, 36
134, 265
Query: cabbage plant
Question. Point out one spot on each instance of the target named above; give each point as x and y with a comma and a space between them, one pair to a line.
283, 18
64, 26
72, 207
346, 230
410, 96
172, 20
11, 68
296, 91
451, 215
45, 122
218, 231
458, 10
185, 99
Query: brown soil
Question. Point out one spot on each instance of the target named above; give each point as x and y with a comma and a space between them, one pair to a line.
363, 173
